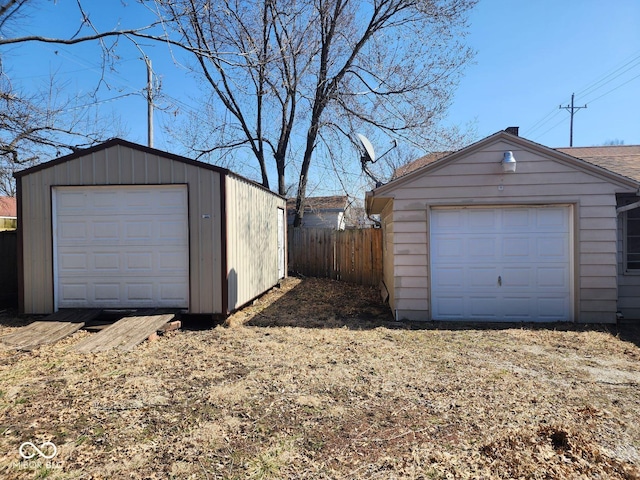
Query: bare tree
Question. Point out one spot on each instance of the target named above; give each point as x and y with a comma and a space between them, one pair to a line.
306, 71
48, 122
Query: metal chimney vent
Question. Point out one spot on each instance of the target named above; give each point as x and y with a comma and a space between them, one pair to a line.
512, 130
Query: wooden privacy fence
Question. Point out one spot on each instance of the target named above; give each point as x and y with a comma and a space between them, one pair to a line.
8, 269
348, 255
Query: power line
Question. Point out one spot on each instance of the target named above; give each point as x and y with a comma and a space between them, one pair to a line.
614, 89
629, 63
601, 83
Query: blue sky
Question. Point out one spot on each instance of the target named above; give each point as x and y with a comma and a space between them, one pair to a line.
531, 56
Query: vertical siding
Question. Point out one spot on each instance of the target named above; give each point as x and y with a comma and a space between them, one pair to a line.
122, 165
388, 276
252, 240
475, 180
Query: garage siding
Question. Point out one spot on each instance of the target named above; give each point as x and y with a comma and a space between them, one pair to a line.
474, 180
122, 165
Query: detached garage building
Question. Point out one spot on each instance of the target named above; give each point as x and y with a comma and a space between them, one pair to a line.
509, 230
121, 225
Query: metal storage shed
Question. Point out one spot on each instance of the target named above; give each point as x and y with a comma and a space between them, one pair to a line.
120, 225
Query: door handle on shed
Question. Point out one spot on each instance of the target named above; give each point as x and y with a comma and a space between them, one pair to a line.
499, 281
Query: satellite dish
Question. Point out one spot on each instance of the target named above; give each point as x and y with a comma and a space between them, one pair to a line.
369, 153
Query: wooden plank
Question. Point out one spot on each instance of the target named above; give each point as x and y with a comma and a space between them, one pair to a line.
51, 329
125, 334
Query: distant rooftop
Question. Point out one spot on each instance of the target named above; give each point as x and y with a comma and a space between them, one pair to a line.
8, 207
320, 203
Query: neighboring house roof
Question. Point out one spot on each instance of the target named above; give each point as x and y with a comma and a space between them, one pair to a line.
420, 162
620, 159
316, 204
8, 207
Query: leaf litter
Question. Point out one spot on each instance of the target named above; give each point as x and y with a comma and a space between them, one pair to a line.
315, 380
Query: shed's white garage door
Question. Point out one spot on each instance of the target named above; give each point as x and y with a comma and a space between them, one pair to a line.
121, 246
501, 264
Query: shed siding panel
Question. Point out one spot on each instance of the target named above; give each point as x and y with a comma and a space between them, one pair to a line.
123, 165
474, 180
252, 235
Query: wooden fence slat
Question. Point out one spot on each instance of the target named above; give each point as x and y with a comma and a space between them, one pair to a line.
353, 255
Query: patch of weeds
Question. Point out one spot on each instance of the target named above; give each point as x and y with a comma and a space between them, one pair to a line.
314, 444
43, 472
268, 464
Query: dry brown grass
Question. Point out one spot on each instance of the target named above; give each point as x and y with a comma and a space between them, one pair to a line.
315, 381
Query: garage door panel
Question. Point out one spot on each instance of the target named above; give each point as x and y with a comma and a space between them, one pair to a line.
519, 307
136, 230
170, 292
122, 246
74, 291
479, 277
451, 306
552, 308
481, 220
139, 261
450, 246
516, 219
517, 277
107, 231
503, 263
516, 246
552, 247
139, 292
451, 276
448, 221
72, 231
552, 219
482, 306
71, 261
480, 248
552, 277
106, 261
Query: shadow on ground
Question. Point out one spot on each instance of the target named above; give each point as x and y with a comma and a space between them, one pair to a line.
323, 303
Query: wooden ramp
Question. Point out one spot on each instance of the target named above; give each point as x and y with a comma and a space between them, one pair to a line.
49, 330
125, 334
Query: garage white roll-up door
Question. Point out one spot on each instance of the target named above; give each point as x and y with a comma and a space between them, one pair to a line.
121, 246
501, 264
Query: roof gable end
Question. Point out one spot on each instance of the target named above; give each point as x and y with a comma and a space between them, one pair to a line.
114, 143
518, 143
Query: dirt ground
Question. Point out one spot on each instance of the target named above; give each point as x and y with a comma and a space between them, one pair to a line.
315, 380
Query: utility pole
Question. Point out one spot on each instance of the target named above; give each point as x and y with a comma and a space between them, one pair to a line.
149, 102
572, 110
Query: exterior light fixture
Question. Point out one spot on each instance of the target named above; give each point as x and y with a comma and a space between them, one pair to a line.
508, 163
